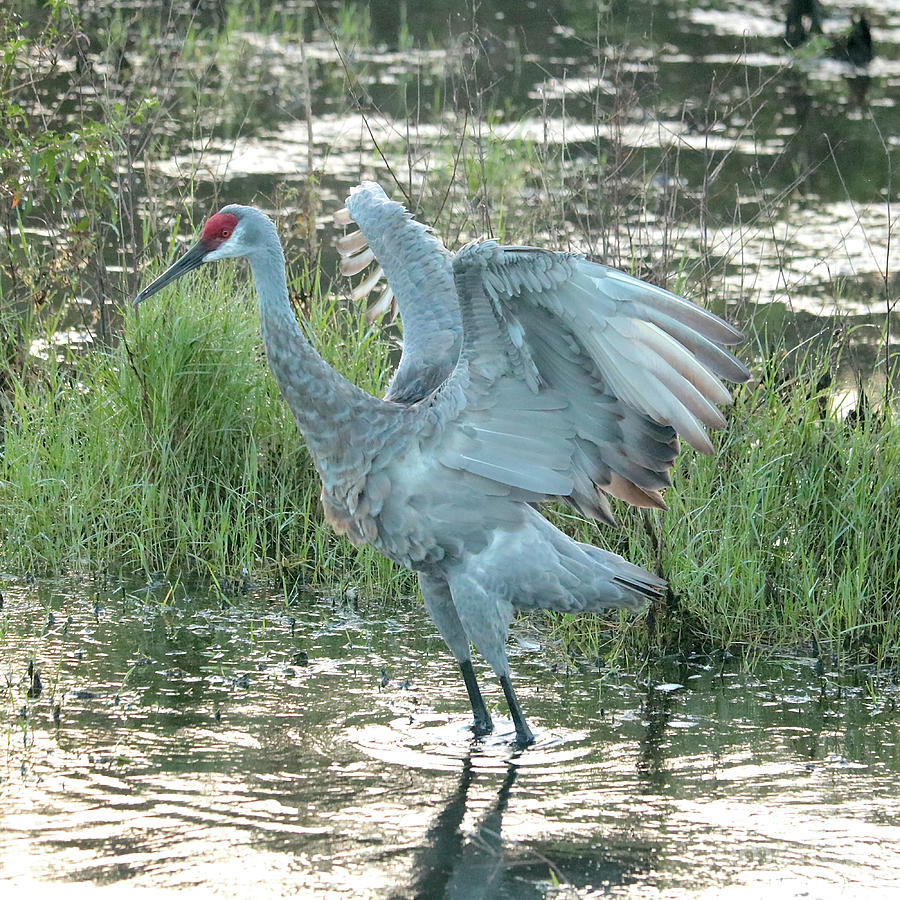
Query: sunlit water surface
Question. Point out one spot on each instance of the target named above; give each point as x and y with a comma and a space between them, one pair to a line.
320, 748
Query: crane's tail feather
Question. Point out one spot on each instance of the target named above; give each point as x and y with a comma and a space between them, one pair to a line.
622, 585
644, 587
577, 577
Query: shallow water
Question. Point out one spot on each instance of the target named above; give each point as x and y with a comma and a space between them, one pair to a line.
320, 748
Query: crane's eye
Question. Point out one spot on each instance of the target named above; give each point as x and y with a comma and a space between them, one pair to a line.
225, 233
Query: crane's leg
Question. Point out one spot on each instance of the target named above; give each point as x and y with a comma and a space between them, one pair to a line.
524, 735
439, 603
487, 616
483, 723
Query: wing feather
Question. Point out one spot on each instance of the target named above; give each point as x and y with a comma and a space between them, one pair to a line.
540, 371
420, 284
618, 354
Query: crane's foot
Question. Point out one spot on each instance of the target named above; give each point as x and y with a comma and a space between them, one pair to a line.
524, 735
483, 724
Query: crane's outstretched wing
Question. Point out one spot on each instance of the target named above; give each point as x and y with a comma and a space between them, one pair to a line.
575, 377
420, 282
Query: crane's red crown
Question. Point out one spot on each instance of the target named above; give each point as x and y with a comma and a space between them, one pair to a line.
217, 230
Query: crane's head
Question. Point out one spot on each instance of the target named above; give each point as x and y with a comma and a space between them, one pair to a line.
230, 232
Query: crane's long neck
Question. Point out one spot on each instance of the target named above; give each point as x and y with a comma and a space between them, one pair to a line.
325, 405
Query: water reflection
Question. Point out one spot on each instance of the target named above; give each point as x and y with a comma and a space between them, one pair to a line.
448, 865
323, 748
657, 711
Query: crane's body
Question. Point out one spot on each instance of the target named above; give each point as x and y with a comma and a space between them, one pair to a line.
525, 375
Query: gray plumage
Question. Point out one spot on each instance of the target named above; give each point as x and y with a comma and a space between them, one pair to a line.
525, 374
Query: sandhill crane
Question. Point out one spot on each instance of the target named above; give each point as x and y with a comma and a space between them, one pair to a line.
526, 374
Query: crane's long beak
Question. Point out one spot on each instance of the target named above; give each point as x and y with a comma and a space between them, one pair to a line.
190, 261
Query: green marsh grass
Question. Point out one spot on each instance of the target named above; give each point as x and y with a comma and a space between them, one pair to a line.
173, 451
